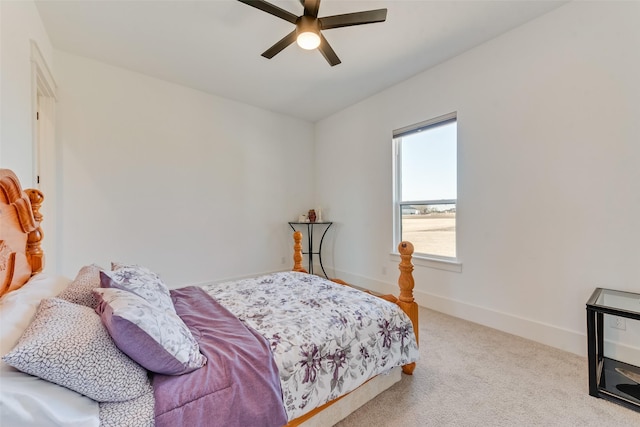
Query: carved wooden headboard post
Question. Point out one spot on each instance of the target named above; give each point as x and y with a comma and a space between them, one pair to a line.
21, 255
35, 255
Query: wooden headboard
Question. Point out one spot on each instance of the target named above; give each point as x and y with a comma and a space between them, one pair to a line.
21, 255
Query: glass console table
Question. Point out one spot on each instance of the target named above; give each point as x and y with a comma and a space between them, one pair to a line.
608, 378
310, 252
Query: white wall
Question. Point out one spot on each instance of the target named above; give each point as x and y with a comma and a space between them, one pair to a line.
19, 24
548, 186
196, 187
549, 175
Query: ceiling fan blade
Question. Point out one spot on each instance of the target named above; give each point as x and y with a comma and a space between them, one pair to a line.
311, 7
277, 48
271, 9
327, 51
356, 18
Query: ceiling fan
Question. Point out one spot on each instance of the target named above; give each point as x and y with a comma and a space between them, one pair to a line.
308, 26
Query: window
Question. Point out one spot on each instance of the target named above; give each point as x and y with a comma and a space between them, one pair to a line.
426, 186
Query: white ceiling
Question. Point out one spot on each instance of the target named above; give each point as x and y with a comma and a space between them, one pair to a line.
215, 45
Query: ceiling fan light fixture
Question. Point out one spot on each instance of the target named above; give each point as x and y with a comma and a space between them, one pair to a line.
308, 32
308, 40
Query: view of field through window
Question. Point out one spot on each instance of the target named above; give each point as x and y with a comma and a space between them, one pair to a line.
432, 232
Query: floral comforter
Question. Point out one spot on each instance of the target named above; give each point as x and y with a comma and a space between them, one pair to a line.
327, 339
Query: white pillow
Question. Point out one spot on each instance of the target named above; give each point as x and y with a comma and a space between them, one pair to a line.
18, 307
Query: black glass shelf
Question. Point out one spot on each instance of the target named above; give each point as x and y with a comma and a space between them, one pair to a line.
310, 251
611, 379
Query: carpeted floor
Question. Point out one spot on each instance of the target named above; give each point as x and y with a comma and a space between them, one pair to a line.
471, 375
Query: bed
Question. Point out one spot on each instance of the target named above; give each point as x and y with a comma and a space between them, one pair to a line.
115, 346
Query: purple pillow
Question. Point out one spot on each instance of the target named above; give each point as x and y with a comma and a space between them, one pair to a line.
157, 339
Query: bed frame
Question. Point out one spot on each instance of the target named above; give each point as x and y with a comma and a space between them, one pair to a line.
406, 283
21, 257
405, 301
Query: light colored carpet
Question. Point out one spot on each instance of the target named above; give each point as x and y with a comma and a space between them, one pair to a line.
471, 375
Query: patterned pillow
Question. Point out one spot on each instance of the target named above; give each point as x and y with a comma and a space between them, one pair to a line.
67, 344
157, 339
80, 291
141, 281
138, 412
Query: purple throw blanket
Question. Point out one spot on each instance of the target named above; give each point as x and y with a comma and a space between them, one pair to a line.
239, 385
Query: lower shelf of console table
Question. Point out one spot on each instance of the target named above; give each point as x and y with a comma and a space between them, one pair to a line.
614, 385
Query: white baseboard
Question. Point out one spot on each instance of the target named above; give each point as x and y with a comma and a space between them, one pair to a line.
544, 333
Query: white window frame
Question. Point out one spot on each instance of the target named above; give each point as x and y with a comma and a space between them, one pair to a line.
427, 260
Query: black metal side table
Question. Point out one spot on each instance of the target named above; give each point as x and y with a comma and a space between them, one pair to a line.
310, 252
611, 379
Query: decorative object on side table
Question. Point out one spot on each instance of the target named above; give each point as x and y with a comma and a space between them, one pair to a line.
312, 215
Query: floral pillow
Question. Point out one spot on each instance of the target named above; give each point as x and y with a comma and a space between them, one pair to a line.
80, 291
141, 281
157, 339
67, 344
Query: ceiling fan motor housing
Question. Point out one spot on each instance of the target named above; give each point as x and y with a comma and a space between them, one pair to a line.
307, 24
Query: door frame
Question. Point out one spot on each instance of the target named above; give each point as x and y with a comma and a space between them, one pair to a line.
43, 102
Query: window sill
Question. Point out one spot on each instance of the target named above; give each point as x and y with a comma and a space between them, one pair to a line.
424, 261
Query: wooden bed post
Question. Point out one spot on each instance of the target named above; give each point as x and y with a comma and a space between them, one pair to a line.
35, 255
406, 300
297, 252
